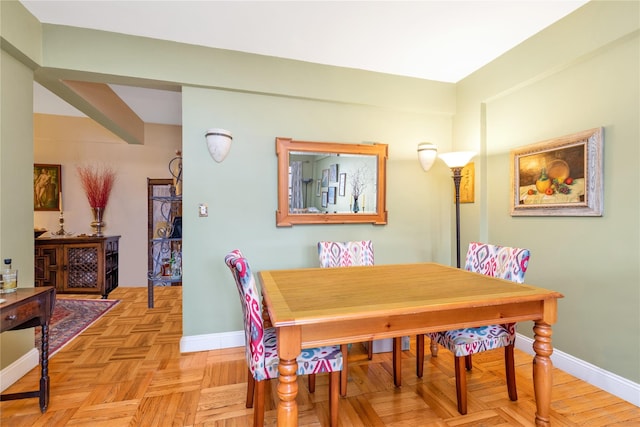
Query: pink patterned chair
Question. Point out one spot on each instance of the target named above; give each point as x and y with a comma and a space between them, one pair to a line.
261, 347
491, 260
346, 254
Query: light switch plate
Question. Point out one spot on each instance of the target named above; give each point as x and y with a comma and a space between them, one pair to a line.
203, 210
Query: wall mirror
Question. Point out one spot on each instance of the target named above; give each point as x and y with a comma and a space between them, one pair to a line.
330, 183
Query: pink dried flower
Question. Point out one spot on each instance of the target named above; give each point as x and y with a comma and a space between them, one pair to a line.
97, 184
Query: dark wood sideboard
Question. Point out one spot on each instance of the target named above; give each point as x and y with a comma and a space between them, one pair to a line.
28, 308
77, 265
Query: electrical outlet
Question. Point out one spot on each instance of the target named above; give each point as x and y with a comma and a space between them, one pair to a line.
203, 210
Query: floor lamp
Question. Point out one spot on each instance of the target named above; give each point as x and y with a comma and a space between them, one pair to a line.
457, 161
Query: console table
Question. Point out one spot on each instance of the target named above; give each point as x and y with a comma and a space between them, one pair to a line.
28, 308
77, 265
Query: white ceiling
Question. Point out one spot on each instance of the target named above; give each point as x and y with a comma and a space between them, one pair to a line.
436, 40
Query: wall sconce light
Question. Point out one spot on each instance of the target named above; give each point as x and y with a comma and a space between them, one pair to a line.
219, 143
456, 161
427, 153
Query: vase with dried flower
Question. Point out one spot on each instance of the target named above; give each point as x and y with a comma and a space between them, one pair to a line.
97, 183
358, 184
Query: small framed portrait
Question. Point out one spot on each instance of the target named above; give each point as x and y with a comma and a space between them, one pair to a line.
324, 199
342, 184
317, 188
331, 195
325, 177
47, 186
333, 173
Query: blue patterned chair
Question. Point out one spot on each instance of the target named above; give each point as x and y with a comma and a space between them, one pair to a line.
491, 260
262, 351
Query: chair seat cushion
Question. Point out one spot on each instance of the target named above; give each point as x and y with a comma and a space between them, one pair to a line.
463, 342
311, 360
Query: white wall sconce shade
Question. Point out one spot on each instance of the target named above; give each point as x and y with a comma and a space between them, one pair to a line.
427, 153
218, 143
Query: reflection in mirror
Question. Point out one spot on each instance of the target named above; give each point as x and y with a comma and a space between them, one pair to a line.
349, 181
330, 182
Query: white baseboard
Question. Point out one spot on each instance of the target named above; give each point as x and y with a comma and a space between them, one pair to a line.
607, 381
19, 368
386, 345
206, 342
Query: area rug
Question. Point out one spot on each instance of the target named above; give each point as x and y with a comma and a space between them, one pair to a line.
70, 318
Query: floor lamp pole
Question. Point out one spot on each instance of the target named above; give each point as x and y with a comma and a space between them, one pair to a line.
457, 161
457, 176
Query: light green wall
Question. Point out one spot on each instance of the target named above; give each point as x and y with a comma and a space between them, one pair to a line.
21, 33
21, 37
241, 193
16, 201
109, 57
580, 74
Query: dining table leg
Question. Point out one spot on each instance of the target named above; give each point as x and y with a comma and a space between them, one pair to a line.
397, 361
542, 367
289, 347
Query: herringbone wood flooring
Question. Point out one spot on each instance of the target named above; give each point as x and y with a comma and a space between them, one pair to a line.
127, 370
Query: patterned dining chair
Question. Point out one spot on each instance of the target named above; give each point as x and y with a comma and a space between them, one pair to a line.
346, 254
262, 349
491, 260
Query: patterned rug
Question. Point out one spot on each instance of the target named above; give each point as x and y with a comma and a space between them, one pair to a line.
70, 318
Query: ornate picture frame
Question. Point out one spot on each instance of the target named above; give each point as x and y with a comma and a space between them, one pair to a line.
47, 187
559, 177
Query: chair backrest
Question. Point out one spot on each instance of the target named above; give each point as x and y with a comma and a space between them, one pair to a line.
497, 261
251, 309
345, 254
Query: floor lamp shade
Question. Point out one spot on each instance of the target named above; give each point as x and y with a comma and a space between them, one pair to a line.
427, 153
218, 143
457, 159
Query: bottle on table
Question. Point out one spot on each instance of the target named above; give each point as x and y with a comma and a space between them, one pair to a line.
9, 278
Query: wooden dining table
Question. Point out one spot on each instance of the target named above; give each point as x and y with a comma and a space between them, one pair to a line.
312, 307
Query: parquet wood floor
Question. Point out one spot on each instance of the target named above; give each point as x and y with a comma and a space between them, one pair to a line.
127, 370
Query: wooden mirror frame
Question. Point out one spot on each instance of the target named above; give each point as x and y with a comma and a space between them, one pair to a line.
284, 218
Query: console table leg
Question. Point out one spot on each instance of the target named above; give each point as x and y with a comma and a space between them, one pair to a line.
44, 369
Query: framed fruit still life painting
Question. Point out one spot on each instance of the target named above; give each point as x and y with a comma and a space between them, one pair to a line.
559, 177
47, 184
